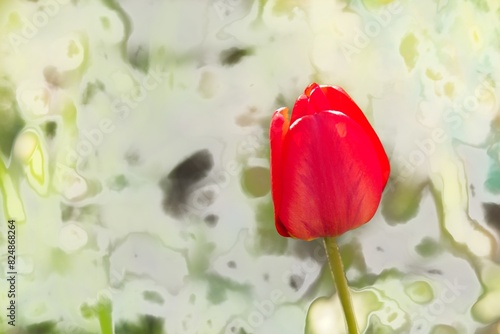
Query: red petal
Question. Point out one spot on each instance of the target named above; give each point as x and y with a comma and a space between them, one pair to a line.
279, 127
310, 88
319, 102
301, 108
335, 98
332, 181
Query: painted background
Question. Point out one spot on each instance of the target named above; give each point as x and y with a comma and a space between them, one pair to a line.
134, 159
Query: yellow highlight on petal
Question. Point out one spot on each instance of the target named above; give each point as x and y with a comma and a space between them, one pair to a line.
12, 202
25, 146
30, 152
286, 125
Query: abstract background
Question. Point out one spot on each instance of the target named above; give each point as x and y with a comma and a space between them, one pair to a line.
134, 158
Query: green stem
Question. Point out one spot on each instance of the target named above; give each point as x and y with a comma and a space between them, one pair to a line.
337, 269
104, 310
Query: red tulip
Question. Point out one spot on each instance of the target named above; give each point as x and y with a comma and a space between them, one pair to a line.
328, 167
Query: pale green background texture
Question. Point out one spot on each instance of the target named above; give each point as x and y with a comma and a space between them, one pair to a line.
101, 100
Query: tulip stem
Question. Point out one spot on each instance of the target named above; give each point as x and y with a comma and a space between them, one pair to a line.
337, 269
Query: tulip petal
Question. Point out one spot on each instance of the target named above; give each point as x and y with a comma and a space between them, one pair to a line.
332, 181
309, 89
300, 108
319, 102
279, 127
335, 98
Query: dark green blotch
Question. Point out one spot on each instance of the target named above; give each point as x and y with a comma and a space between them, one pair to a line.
401, 200
66, 212
90, 91
211, 220
179, 182
435, 271
428, 247
256, 181
219, 286
147, 324
46, 327
238, 330
11, 122
492, 214
50, 129
352, 255
153, 297
234, 55
267, 240
217, 290
193, 168
295, 282
139, 59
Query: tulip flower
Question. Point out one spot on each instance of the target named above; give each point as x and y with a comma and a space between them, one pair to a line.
328, 171
328, 167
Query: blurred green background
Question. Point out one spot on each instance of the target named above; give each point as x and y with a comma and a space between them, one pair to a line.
134, 159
